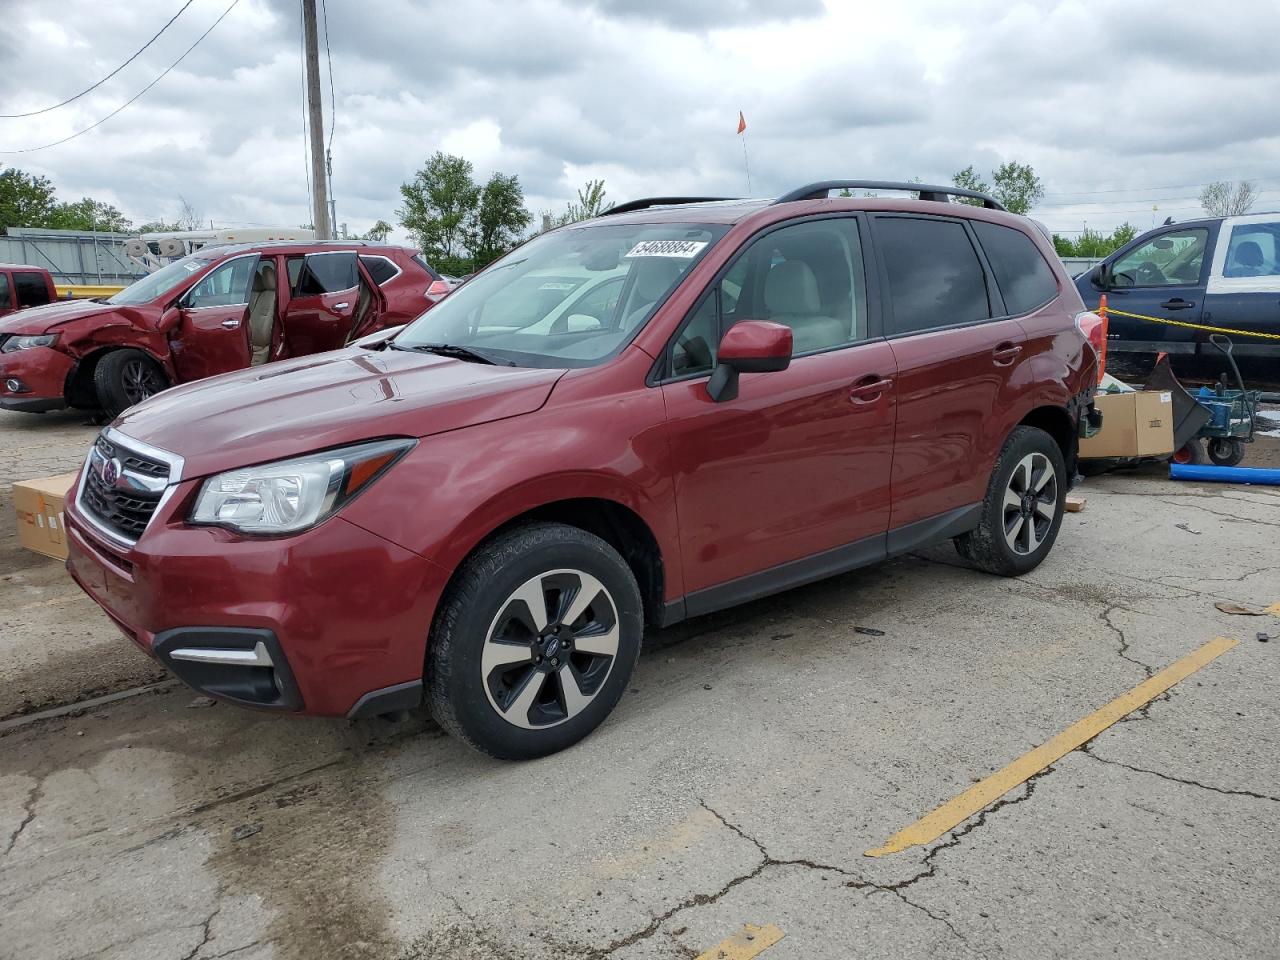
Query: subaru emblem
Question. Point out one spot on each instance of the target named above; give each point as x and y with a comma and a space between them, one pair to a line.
111, 470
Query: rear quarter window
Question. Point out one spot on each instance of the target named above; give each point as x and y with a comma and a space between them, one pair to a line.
31, 289
1025, 279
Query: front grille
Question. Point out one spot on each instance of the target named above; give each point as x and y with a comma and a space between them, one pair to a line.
125, 511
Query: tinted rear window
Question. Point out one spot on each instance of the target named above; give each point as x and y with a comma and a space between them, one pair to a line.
380, 269
326, 273
935, 277
1021, 272
4, 291
31, 288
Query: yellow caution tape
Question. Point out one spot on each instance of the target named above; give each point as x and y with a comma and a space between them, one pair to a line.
1193, 326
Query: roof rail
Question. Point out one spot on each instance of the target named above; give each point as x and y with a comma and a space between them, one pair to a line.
927, 191
648, 202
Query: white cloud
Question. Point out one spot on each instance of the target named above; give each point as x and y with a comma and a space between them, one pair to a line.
1097, 96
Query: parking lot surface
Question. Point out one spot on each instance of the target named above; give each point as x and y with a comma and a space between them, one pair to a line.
758, 756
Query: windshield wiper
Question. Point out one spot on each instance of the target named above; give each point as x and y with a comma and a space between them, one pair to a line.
456, 351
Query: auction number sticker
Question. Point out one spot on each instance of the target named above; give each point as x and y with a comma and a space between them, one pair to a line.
684, 249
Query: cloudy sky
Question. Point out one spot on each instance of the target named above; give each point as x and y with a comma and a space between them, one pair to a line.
1119, 106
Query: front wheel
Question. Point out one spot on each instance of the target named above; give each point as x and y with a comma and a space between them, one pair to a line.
535, 641
125, 377
1224, 452
1022, 511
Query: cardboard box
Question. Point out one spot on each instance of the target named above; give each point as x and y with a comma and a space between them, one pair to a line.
39, 507
1138, 424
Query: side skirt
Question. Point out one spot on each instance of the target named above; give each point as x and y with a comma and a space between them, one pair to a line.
819, 566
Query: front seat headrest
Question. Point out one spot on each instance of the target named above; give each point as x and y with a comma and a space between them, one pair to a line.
1249, 254
791, 288
265, 279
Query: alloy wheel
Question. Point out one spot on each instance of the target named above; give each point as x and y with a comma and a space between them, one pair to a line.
550, 649
139, 380
1030, 503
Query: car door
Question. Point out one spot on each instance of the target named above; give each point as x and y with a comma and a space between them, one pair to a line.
955, 357
323, 296
788, 481
212, 333
1243, 289
1161, 274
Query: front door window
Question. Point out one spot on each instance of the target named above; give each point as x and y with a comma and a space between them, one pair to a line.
1170, 259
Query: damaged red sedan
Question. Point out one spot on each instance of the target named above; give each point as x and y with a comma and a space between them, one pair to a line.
221, 309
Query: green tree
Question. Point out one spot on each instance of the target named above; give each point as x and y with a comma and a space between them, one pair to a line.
440, 205
1091, 243
967, 179
1219, 199
590, 202
158, 226
26, 200
1016, 186
87, 214
379, 232
500, 219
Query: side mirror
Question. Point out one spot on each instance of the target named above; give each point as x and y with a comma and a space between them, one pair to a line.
1101, 276
749, 346
169, 320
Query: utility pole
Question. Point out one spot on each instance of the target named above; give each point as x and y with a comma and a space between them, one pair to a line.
315, 115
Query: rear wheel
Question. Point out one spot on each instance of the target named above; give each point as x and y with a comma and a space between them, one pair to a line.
1225, 452
126, 377
535, 642
1022, 512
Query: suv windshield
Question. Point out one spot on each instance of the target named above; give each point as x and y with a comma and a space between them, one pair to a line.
160, 282
570, 298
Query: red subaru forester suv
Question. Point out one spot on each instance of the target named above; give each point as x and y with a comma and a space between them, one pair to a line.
673, 408
222, 308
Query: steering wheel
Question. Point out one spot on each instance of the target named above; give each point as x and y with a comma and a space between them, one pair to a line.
1149, 273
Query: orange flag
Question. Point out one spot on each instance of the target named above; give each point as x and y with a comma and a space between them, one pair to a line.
742, 123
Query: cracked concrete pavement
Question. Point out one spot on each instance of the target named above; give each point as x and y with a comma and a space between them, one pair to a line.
758, 754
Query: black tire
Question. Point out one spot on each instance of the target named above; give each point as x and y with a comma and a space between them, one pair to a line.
481, 613
1189, 453
126, 377
988, 547
1225, 452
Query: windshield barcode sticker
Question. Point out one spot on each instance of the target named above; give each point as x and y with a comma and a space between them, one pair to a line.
684, 249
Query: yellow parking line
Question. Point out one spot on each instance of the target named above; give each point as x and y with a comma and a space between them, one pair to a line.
961, 808
745, 944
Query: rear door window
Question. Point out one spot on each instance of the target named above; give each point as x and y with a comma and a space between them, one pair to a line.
380, 269
934, 275
325, 273
31, 289
1026, 281
1253, 250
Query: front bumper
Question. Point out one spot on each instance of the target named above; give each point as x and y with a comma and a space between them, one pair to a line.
330, 622
42, 373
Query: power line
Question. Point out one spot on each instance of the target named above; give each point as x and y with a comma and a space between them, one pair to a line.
333, 100
36, 113
135, 97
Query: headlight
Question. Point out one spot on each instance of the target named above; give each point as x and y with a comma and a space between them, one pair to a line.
292, 495
14, 344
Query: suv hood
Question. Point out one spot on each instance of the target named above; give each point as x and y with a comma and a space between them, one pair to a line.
49, 317
293, 407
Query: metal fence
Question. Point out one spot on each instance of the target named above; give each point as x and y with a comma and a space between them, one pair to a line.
72, 256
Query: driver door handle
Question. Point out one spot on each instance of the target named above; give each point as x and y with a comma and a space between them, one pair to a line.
869, 389
230, 323
1177, 303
